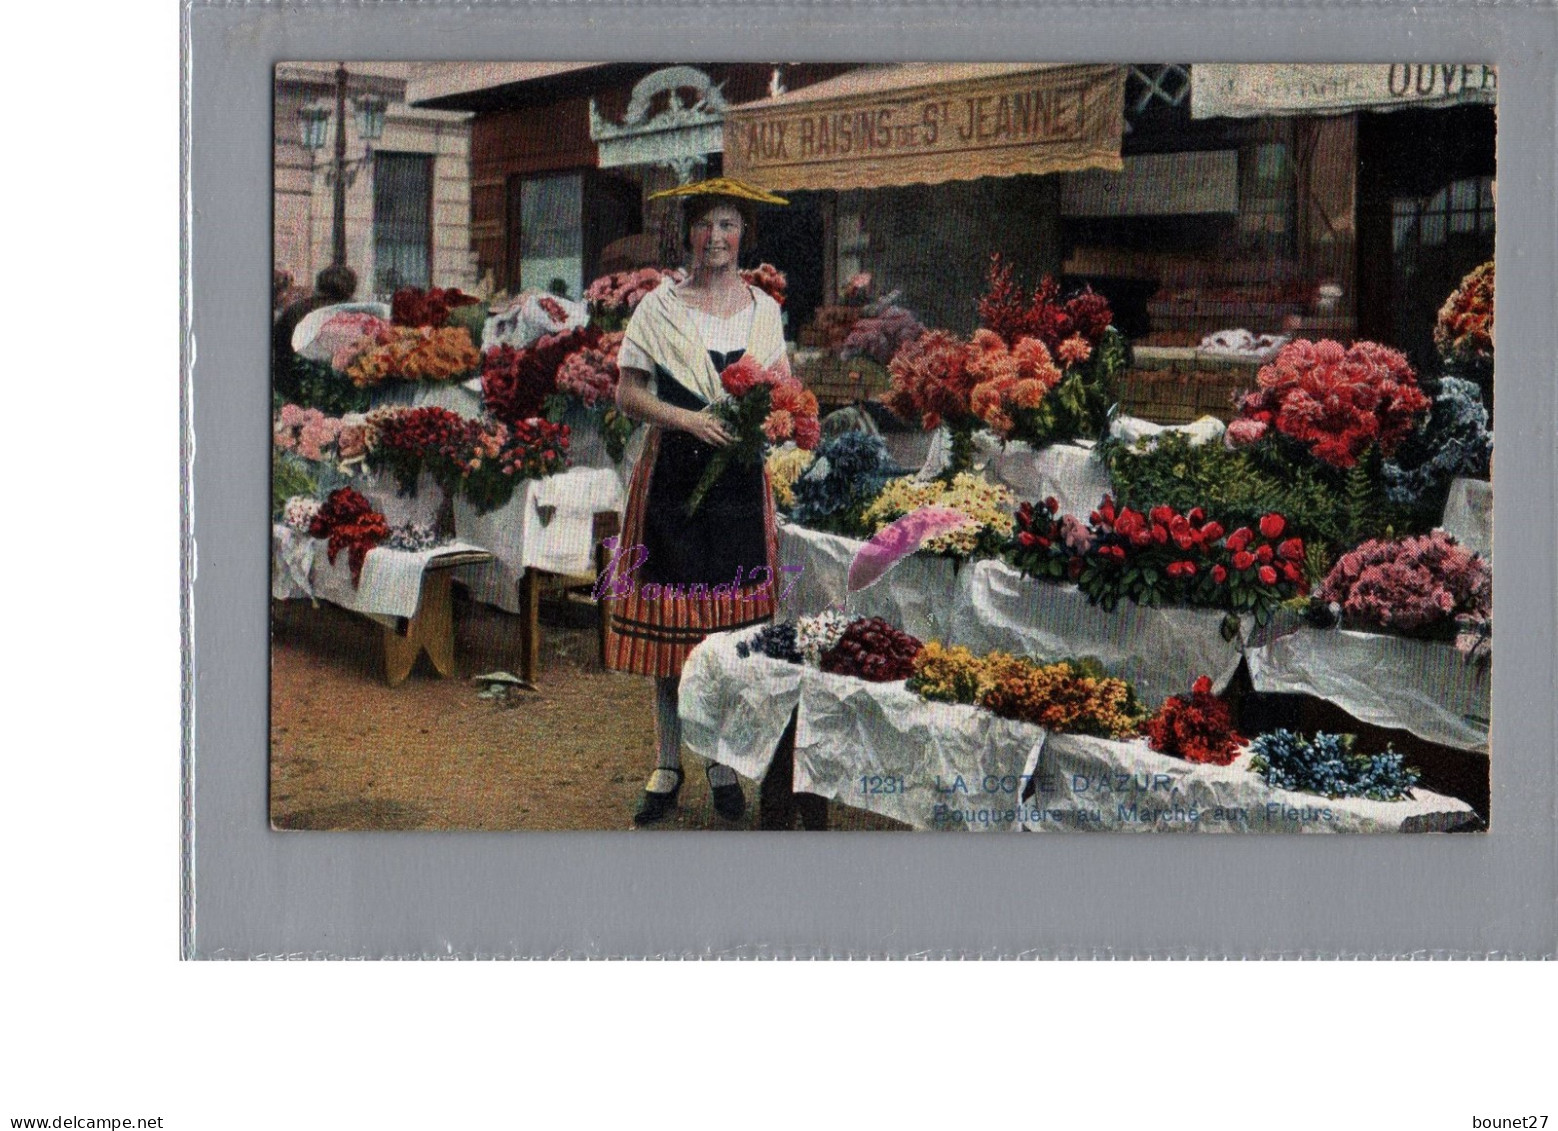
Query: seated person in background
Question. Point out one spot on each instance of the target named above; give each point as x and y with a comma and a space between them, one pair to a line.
332, 285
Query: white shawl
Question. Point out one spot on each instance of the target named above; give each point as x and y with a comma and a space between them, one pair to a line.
663, 328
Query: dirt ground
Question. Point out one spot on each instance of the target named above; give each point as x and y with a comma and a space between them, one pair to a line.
350, 753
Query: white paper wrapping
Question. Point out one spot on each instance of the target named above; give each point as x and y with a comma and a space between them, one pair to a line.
383, 494
1084, 783
940, 766
291, 561
1161, 650
1071, 473
915, 596
462, 398
548, 525
1425, 687
391, 584
734, 710
1468, 515
1133, 428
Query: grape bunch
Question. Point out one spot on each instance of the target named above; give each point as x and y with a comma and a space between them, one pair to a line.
871, 649
776, 641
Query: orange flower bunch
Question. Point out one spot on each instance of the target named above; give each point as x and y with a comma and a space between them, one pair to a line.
407, 353
1008, 381
1464, 331
1067, 697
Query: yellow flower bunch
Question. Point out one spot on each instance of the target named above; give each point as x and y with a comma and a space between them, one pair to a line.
952, 674
989, 505
409, 353
1063, 697
785, 466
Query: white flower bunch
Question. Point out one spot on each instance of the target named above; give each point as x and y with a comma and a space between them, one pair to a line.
817, 634
299, 512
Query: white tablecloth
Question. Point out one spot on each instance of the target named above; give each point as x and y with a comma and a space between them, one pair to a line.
1425, 687
391, 584
734, 710
915, 596
547, 525
1161, 650
1098, 784
1071, 473
1468, 515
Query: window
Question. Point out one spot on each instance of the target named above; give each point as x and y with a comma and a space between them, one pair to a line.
402, 221
551, 233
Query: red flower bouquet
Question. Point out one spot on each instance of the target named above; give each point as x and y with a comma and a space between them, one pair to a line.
409, 441
762, 406
873, 650
350, 524
515, 383
931, 382
1197, 727
412, 306
1160, 556
1071, 329
497, 457
1334, 401
768, 279
1010, 397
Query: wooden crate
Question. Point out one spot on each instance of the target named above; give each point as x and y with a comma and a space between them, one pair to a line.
838, 383
1177, 386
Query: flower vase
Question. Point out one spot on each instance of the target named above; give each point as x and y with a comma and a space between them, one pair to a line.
424, 506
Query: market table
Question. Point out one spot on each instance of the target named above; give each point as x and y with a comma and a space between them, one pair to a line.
407, 593
942, 766
1425, 687
546, 535
1100, 784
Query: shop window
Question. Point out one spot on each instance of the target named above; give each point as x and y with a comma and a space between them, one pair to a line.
1461, 208
1266, 199
402, 221
546, 244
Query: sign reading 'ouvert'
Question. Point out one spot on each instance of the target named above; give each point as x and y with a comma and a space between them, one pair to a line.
885, 127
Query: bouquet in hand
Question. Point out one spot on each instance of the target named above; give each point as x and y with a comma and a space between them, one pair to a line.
762, 407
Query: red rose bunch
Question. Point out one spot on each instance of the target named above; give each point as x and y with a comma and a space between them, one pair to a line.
412, 306
350, 524
1070, 329
1333, 400
931, 382
768, 279
1197, 727
409, 441
516, 382
762, 406
1160, 556
500, 456
1464, 330
873, 650
1410, 584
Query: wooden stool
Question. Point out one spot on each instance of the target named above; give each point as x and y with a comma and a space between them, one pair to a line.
432, 628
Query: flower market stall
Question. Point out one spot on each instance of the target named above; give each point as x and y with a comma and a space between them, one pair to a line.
1328, 541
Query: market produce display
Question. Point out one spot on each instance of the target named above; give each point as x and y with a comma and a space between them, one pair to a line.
1416, 586
1197, 727
1326, 765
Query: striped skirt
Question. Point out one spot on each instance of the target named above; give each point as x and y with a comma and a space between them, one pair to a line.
653, 625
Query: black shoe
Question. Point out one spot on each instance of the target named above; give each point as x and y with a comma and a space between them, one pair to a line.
729, 801
655, 806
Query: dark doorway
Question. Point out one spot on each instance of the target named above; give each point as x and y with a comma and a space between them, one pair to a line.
1425, 218
792, 240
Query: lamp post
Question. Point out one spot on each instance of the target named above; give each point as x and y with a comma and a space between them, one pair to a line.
313, 121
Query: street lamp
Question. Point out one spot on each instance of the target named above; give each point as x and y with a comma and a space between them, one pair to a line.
313, 123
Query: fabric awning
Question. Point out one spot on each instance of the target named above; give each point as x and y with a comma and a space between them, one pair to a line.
1259, 90
925, 123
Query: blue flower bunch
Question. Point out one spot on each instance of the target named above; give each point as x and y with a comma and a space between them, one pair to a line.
776, 641
849, 472
1454, 441
1327, 765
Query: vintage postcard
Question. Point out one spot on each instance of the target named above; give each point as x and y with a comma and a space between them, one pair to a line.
981, 447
